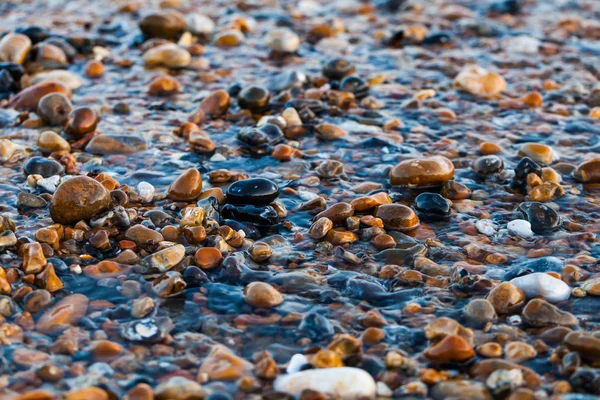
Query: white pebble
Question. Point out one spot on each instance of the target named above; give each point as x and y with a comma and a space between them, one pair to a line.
542, 284
217, 157
384, 390
305, 195
521, 228
296, 362
146, 191
200, 24
49, 184
486, 226
344, 383
283, 39
523, 44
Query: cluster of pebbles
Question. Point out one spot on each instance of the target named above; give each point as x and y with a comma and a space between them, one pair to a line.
299, 199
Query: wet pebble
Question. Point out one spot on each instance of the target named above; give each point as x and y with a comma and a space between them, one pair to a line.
261, 294
432, 171
543, 219
186, 187
346, 382
54, 108
78, 198
255, 191
168, 25
544, 285
45, 167
397, 217
432, 206
488, 165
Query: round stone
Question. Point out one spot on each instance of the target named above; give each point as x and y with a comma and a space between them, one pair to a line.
45, 167
254, 98
539, 313
81, 121
338, 68
283, 39
215, 104
186, 187
506, 298
432, 206
488, 165
167, 55
538, 152
50, 141
14, 48
78, 198
166, 25
356, 85
28, 99
525, 167
479, 312
261, 294
452, 348
455, 191
208, 257
432, 171
54, 108
397, 217
588, 171
63, 314
337, 213
543, 218
255, 191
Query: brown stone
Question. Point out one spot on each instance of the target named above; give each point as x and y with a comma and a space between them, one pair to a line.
539, 313
105, 350
33, 258
63, 314
187, 186
28, 99
167, 25
79, 198
143, 236
484, 368
584, 343
397, 217
141, 391
90, 393
337, 213
14, 48
215, 104
261, 294
326, 359
451, 348
506, 298
222, 365
208, 257
81, 121
538, 152
444, 326
106, 269
588, 171
164, 86
432, 171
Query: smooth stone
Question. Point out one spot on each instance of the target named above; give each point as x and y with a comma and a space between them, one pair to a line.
69, 79
143, 236
146, 191
260, 140
222, 364
167, 55
166, 25
337, 213
538, 152
78, 198
452, 348
479, 312
50, 141
186, 187
296, 363
432, 171
255, 191
521, 228
458, 389
28, 200
506, 298
54, 108
356, 85
524, 167
432, 206
179, 388
49, 184
543, 218
14, 48
539, 313
199, 24
254, 98
215, 104
584, 343
45, 167
64, 314
484, 368
455, 191
588, 171
260, 216
116, 144
147, 330
479, 81
28, 99
397, 217
165, 259
261, 294
283, 39
343, 383
486, 226
338, 68
287, 80
488, 165
544, 285
81, 121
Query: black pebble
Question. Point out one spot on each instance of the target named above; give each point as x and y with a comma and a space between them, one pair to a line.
432, 206
43, 166
255, 191
542, 218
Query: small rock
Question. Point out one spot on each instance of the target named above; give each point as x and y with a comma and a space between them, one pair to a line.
199, 24
64, 314
79, 198
432, 171
261, 294
45, 167
50, 141
539, 313
14, 48
538, 152
179, 388
165, 259
543, 285
521, 228
28, 99
397, 217
452, 348
344, 383
588, 171
167, 55
116, 144
186, 187
479, 81
506, 298
283, 39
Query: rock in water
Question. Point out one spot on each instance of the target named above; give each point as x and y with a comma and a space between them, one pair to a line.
544, 285
344, 383
255, 191
78, 199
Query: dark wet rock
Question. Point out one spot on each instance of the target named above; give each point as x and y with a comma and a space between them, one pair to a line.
78, 198
356, 85
286, 80
255, 191
260, 140
523, 168
542, 264
116, 144
165, 24
488, 165
35, 33
543, 218
539, 313
586, 380
45, 167
54, 108
194, 277
260, 216
338, 68
432, 207
400, 256
27, 200
254, 98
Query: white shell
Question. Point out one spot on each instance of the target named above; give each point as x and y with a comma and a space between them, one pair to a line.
343, 383
521, 228
544, 285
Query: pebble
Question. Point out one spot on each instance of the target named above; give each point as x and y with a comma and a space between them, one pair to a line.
78, 198
49, 184
255, 191
521, 228
432, 171
538, 152
479, 312
506, 298
28, 200
165, 259
338, 68
282, 39
186, 187
432, 207
45, 167
337, 213
296, 363
486, 226
592, 286
397, 217
28, 99
199, 24
54, 108
488, 165
479, 81
14, 48
254, 98
503, 381
208, 257
50, 141
260, 216
215, 104
539, 313
588, 171
167, 55
229, 38
519, 352
81, 121
179, 388
344, 383
146, 191
584, 343
222, 364
523, 44
543, 219
544, 285
460, 388
64, 314
451, 348
455, 191
164, 86
68, 79
320, 228
261, 294
7, 149
167, 25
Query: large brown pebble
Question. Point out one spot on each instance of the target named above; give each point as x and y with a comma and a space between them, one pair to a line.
397, 217
89, 393
54, 108
179, 388
539, 313
337, 213
81, 121
187, 186
479, 312
116, 144
506, 298
588, 171
261, 294
167, 25
63, 314
14, 48
141, 391
460, 389
28, 99
143, 236
584, 343
49, 142
221, 364
79, 198
538, 152
484, 368
423, 172
215, 104
452, 348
